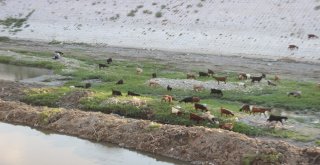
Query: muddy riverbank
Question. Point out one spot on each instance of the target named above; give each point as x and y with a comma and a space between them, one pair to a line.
198, 145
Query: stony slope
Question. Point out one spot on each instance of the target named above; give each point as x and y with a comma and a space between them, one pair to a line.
252, 28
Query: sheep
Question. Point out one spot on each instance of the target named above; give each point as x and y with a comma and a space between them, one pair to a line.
207, 115
198, 87
176, 110
139, 70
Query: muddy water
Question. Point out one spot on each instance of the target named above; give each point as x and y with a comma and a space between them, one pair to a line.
13, 72
23, 145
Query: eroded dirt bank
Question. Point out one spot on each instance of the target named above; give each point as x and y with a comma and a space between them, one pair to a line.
197, 144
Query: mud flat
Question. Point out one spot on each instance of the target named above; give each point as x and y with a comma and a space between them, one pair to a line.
197, 145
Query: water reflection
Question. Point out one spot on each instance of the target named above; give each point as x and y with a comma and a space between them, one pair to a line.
23, 145
13, 72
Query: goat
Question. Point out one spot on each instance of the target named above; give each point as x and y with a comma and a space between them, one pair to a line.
312, 36
191, 76
139, 70
216, 91
203, 74
242, 84
109, 60
242, 76
295, 94
210, 117
102, 66
176, 110
132, 94
154, 75
198, 88
87, 85
253, 79
116, 93
226, 112
196, 118
167, 98
245, 108
254, 110
224, 79
292, 47
210, 72
169, 88
271, 83
276, 78
120, 82
190, 100
226, 126
201, 107
277, 118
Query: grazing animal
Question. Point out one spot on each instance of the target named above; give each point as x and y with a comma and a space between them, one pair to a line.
271, 83
242, 84
154, 75
216, 91
132, 94
190, 100
201, 107
276, 78
294, 94
116, 93
167, 98
312, 36
57, 55
277, 118
210, 72
254, 110
224, 79
253, 79
87, 85
245, 108
207, 115
109, 60
226, 112
102, 66
226, 126
191, 76
198, 88
169, 88
139, 70
292, 47
120, 82
203, 74
196, 118
242, 76
153, 83
176, 110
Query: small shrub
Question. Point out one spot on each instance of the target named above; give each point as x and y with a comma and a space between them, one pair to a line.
48, 116
154, 3
199, 5
158, 14
140, 6
163, 6
4, 39
132, 13
147, 12
317, 8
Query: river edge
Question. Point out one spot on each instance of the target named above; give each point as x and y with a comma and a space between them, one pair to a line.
197, 145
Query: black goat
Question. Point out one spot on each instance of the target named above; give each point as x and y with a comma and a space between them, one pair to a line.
169, 88
103, 66
133, 94
120, 82
116, 93
216, 91
253, 79
203, 74
277, 118
109, 60
154, 75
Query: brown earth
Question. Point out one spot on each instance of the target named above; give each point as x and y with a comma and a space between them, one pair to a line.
198, 145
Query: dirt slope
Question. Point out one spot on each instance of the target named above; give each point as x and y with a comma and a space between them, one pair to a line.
197, 144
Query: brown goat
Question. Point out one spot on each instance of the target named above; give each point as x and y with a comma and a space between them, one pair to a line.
196, 118
276, 78
224, 79
312, 36
191, 76
226, 126
226, 112
254, 110
167, 98
201, 107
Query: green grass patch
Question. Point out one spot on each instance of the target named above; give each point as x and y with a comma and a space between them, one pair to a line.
4, 39
289, 135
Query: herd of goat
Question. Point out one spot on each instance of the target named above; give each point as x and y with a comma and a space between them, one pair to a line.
205, 113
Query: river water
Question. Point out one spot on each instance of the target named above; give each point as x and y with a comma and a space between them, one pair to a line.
22, 145
13, 72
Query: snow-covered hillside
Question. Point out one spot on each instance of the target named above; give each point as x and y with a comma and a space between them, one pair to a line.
255, 28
